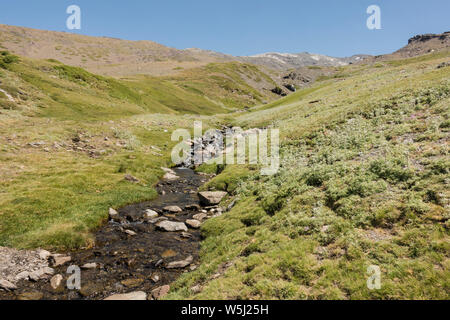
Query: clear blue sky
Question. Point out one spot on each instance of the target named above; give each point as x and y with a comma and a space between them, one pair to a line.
243, 27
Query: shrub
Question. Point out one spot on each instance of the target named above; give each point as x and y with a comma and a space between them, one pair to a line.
6, 59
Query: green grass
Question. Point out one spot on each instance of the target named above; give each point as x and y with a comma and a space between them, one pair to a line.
363, 181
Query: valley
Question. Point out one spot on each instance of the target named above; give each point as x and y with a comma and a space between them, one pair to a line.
364, 175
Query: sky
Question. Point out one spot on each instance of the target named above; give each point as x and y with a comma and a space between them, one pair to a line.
243, 27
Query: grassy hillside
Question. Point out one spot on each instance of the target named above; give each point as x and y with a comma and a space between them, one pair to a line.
364, 180
68, 137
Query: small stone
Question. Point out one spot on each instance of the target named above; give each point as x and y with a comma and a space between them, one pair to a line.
44, 254
130, 178
155, 278
200, 216
196, 289
173, 209
6, 285
24, 275
59, 260
56, 281
171, 226
180, 264
186, 235
88, 266
151, 214
137, 295
113, 213
160, 292
195, 224
130, 232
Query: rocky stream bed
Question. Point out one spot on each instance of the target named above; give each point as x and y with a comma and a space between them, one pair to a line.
137, 255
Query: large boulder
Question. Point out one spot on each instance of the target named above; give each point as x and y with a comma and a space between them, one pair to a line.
171, 226
211, 198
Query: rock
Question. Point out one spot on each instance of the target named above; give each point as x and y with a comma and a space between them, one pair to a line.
113, 213
59, 260
193, 223
150, 214
129, 177
155, 278
30, 296
186, 235
156, 220
192, 207
173, 209
41, 273
160, 292
88, 266
130, 232
56, 281
137, 295
171, 226
211, 198
44, 254
132, 283
171, 177
24, 275
90, 289
6, 285
196, 289
200, 216
180, 264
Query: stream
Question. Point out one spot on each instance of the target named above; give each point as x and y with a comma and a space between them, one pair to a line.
131, 253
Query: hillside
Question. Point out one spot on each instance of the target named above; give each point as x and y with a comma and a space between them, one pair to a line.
363, 181
116, 57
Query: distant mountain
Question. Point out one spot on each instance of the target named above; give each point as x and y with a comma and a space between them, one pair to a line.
285, 61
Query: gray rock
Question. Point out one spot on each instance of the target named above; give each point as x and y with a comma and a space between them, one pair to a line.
88, 266
151, 214
137, 295
171, 226
180, 264
200, 216
193, 223
44, 254
211, 198
113, 213
130, 232
172, 209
